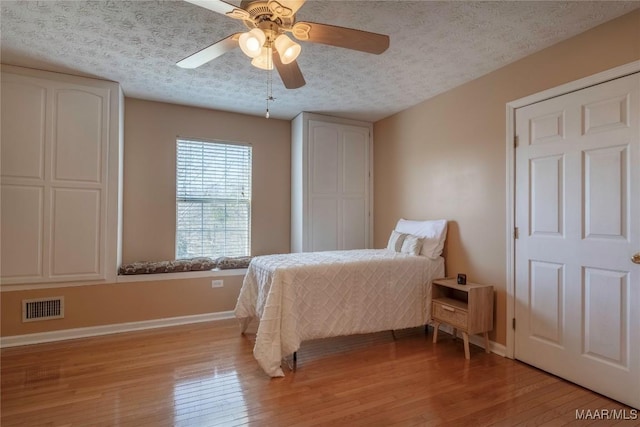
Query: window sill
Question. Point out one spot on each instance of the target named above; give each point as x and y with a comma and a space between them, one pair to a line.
181, 275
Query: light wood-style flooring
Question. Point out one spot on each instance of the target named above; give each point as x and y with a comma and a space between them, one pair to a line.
205, 375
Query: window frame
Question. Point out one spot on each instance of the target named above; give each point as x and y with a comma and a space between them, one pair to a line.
213, 200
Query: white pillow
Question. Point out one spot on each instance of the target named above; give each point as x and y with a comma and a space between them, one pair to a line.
433, 234
411, 245
395, 241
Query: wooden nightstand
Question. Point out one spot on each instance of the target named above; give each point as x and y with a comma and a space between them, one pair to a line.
466, 307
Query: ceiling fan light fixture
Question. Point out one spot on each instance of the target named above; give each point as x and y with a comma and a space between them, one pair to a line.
252, 41
287, 48
272, 25
264, 61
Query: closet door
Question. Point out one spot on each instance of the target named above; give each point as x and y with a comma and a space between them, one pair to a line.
324, 186
354, 196
338, 186
76, 184
60, 160
24, 123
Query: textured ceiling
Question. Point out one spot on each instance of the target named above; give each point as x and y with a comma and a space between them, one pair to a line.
435, 46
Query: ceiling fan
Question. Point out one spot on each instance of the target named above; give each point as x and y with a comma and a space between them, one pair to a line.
267, 43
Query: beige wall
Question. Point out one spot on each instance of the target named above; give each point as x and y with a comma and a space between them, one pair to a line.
445, 158
149, 219
150, 131
108, 304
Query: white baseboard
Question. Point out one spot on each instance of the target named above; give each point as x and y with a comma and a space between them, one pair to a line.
494, 347
92, 331
67, 334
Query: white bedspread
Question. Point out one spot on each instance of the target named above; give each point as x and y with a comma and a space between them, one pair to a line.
310, 295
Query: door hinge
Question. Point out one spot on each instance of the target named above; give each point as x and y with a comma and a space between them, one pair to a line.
513, 323
515, 141
516, 234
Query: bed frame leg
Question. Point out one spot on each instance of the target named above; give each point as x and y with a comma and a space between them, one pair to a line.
426, 329
295, 360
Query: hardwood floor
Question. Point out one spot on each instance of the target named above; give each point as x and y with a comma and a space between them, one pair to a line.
205, 375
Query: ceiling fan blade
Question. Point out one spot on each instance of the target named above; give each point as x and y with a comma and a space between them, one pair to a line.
211, 52
348, 38
289, 73
215, 5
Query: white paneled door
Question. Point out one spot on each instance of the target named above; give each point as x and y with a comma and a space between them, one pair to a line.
339, 186
60, 163
578, 217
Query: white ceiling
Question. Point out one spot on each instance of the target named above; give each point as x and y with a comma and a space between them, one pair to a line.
435, 46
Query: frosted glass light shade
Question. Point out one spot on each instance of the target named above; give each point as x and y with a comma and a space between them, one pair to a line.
287, 48
252, 41
264, 61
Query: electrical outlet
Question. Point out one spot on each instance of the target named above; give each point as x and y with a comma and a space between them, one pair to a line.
217, 283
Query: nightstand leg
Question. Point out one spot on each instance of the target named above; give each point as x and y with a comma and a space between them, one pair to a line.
465, 337
436, 326
486, 342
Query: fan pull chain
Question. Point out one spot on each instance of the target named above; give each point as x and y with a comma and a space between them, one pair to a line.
270, 97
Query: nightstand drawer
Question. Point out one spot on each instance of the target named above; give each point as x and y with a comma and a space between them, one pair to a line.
451, 315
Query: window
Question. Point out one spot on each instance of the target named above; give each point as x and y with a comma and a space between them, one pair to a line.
213, 199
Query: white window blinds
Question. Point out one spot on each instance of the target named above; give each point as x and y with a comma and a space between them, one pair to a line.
213, 199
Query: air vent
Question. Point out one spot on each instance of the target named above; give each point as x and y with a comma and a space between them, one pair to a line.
42, 309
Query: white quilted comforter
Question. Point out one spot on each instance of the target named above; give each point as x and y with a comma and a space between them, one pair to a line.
310, 295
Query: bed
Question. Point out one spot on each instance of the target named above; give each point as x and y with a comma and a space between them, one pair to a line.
304, 296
